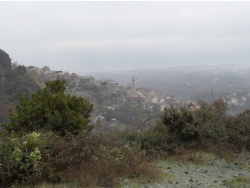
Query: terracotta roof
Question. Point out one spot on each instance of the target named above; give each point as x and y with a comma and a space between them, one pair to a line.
133, 95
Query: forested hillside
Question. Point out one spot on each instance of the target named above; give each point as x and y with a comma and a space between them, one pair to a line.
13, 80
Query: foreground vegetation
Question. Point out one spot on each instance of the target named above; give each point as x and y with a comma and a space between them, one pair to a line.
49, 140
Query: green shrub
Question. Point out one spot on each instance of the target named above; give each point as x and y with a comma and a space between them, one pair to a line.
92, 160
19, 157
181, 124
155, 140
239, 130
211, 118
51, 110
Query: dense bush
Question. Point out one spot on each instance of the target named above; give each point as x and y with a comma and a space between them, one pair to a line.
181, 124
90, 160
211, 118
239, 130
20, 157
82, 160
207, 127
51, 110
4, 112
155, 141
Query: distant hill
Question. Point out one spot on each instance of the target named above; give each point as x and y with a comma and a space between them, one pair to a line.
189, 80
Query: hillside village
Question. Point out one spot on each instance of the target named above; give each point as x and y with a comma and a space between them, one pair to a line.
131, 93
111, 99
148, 98
125, 106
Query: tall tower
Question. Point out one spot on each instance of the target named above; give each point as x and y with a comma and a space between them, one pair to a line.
133, 84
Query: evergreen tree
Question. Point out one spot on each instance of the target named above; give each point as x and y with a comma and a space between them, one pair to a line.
5, 61
50, 109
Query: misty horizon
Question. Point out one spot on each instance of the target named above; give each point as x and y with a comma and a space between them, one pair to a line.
121, 36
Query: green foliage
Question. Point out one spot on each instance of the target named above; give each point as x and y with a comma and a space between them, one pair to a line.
21, 70
181, 124
182, 128
239, 130
89, 160
14, 80
51, 110
113, 154
4, 112
19, 157
156, 140
240, 181
153, 141
211, 117
5, 61
203, 126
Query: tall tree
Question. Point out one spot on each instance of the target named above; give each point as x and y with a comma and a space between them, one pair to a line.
5, 61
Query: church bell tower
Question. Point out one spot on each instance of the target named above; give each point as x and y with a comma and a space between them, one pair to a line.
133, 85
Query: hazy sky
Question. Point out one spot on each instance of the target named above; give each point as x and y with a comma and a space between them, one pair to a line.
106, 36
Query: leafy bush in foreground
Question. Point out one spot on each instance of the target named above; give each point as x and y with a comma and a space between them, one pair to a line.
239, 130
207, 127
19, 157
181, 124
91, 160
211, 118
82, 160
51, 110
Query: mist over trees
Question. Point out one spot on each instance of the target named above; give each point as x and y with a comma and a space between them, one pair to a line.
14, 79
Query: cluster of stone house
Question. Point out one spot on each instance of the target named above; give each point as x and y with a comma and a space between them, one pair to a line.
150, 100
154, 99
90, 81
109, 87
52, 74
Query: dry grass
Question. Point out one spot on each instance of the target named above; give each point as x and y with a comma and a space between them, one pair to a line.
93, 160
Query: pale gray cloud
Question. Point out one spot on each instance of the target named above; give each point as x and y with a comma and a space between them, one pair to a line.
101, 36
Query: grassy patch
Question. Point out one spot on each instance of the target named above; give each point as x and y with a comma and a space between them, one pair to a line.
243, 181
